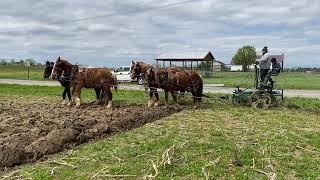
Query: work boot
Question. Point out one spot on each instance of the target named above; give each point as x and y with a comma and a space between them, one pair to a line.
272, 83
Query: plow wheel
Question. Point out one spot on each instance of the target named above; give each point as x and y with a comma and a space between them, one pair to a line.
261, 100
274, 101
235, 101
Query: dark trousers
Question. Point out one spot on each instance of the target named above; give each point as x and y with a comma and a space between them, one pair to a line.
263, 74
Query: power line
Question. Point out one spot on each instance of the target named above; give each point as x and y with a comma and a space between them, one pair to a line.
127, 13
114, 14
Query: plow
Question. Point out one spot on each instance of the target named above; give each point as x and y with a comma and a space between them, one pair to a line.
260, 96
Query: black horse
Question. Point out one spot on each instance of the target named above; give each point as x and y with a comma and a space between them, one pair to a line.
62, 79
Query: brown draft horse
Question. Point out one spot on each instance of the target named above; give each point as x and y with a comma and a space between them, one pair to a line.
173, 81
170, 79
97, 78
140, 69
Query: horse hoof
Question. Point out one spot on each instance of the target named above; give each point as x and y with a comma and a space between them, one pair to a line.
64, 102
109, 105
156, 105
69, 104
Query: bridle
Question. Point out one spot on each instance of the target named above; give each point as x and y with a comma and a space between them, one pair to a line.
137, 71
54, 71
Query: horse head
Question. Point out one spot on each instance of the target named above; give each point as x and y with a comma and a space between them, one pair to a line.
135, 70
153, 76
149, 76
48, 69
59, 67
138, 69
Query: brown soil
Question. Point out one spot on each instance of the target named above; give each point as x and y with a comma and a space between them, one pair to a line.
30, 131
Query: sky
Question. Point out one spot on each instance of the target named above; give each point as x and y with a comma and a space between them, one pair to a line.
111, 33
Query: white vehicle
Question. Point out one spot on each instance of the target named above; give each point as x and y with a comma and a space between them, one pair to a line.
123, 75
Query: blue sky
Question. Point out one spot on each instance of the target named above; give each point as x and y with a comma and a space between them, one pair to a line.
116, 32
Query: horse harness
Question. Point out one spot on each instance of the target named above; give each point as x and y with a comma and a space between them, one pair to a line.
65, 79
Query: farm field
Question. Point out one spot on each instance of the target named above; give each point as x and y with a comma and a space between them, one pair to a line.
229, 79
215, 141
21, 72
286, 80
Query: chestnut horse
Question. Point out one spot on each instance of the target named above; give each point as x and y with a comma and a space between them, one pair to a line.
140, 69
65, 82
173, 81
97, 78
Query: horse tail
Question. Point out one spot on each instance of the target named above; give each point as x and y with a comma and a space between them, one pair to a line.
200, 89
115, 82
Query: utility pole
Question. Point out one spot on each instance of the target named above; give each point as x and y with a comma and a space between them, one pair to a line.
28, 72
28, 66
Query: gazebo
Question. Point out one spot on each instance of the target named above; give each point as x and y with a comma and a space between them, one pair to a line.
186, 60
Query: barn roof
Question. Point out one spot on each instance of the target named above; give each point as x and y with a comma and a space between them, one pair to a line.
200, 56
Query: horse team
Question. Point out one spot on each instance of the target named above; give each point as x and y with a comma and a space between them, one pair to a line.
171, 79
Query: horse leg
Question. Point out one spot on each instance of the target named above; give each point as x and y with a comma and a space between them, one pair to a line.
64, 96
174, 97
151, 93
103, 98
72, 90
166, 97
146, 90
109, 96
181, 95
77, 93
199, 99
196, 101
98, 95
68, 92
156, 94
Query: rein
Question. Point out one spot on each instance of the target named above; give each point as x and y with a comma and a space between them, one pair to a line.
67, 78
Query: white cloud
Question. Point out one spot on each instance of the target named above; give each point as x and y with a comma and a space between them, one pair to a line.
45, 29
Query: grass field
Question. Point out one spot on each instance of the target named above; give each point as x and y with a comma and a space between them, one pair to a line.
286, 80
21, 72
229, 79
216, 141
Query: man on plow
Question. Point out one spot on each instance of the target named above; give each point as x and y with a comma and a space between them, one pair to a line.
264, 67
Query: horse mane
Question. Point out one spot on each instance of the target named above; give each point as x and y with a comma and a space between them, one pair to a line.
67, 66
144, 66
66, 62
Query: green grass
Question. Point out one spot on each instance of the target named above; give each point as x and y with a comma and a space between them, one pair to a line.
281, 141
286, 80
21, 72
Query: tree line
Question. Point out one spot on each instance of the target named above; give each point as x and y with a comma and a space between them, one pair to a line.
30, 61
